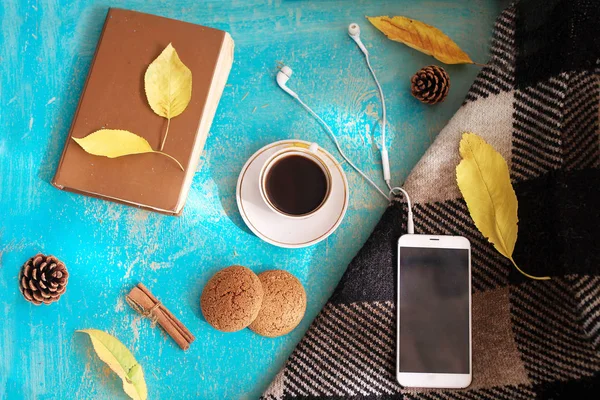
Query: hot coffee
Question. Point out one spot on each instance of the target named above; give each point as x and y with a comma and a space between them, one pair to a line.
296, 185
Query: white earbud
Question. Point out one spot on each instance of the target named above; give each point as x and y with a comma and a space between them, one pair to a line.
284, 74
354, 32
353, 29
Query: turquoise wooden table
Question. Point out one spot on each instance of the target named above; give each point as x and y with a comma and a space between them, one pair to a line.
45, 51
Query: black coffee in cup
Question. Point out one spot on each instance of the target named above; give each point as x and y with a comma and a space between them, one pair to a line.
296, 185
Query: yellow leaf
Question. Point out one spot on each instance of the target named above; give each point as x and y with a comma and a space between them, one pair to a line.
484, 181
168, 85
110, 350
420, 36
114, 143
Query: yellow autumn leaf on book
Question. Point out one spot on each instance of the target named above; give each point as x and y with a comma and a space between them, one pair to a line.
168, 86
113, 143
110, 350
484, 181
420, 36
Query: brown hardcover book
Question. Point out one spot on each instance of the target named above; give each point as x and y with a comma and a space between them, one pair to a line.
114, 98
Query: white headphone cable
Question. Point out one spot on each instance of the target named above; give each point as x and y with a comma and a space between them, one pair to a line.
337, 145
384, 152
393, 191
354, 32
282, 78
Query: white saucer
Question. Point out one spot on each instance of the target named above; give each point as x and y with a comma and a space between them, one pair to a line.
277, 229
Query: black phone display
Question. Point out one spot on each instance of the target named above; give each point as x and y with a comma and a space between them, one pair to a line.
434, 331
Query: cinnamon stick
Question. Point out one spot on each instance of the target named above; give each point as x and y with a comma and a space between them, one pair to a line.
182, 328
183, 331
144, 302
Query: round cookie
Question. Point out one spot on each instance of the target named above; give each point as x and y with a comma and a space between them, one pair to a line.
283, 304
232, 298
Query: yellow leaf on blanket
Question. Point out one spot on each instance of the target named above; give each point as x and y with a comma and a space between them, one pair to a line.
168, 85
113, 143
484, 181
110, 350
420, 36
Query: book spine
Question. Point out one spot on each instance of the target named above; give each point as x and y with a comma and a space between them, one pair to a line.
217, 86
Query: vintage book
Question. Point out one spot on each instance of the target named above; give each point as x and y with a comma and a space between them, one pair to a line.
114, 98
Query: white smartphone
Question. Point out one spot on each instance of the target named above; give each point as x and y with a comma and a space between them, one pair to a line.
434, 312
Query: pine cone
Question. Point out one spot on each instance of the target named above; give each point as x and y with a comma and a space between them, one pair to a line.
430, 84
43, 279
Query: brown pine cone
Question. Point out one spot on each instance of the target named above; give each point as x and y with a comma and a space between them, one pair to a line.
430, 84
43, 279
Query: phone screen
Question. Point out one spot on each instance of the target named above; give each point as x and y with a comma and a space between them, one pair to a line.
434, 310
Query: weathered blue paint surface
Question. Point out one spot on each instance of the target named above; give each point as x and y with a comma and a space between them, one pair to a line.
45, 52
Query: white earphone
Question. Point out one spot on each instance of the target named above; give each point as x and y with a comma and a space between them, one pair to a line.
285, 74
354, 32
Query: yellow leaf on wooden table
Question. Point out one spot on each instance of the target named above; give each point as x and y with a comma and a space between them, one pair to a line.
484, 181
168, 85
110, 350
113, 143
420, 36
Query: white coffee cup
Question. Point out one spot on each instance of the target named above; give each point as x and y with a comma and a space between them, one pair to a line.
310, 152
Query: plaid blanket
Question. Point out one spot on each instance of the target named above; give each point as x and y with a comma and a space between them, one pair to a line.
537, 103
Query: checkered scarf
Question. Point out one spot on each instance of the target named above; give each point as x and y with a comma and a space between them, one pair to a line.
537, 103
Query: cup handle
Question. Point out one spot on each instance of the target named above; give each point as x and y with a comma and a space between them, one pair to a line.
313, 148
